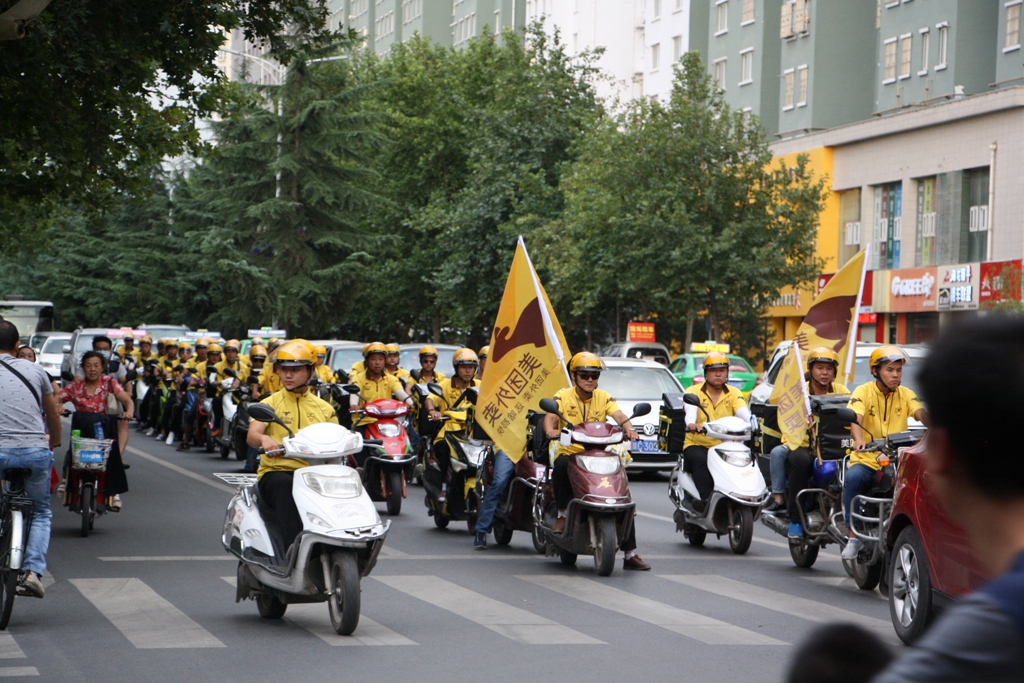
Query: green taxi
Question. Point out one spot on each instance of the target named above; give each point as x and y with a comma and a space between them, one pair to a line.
689, 367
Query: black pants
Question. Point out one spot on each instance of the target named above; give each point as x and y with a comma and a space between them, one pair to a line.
564, 493
695, 461
276, 493
799, 466
153, 413
218, 412
443, 455
166, 418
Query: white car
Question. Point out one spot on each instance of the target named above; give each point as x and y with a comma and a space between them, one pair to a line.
51, 354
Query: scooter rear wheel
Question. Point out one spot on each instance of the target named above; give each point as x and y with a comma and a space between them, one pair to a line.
440, 521
344, 601
567, 558
604, 546
867, 576
695, 535
86, 503
540, 544
270, 607
502, 532
742, 532
804, 554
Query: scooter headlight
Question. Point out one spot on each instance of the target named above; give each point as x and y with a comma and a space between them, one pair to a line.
334, 486
737, 459
599, 464
299, 447
388, 429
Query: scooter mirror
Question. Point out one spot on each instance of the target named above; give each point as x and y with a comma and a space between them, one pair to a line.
640, 409
549, 405
435, 389
691, 399
846, 416
351, 388
472, 393
261, 412
180, 368
416, 374
230, 373
131, 376
67, 376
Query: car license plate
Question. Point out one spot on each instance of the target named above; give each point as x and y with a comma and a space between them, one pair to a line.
641, 446
736, 383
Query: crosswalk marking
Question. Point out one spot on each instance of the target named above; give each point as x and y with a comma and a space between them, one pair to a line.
690, 624
18, 671
315, 619
845, 583
147, 620
170, 558
765, 541
8, 648
512, 622
811, 610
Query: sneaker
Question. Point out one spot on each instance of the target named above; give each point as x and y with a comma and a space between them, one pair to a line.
160, 437
796, 530
480, 542
636, 564
61, 487
114, 503
30, 582
852, 549
151, 431
170, 439
774, 506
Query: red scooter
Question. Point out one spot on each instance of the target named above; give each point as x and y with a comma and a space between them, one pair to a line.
600, 514
388, 465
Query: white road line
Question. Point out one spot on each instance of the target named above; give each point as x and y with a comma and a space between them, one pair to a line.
777, 544
182, 470
142, 616
18, 671
8, 648
512, 622
802, 608
690, 624
168, 558
845, 583
315, 619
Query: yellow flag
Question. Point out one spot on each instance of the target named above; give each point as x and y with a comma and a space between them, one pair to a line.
790, 395
527, 359
832, 320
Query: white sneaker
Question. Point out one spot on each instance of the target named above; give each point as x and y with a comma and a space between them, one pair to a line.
170, 439
150, 432
852, 549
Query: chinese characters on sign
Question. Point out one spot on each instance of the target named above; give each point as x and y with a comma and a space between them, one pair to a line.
641, 332
520, 385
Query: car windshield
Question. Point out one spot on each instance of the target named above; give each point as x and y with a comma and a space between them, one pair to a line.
54, 345
737, 364
343, 359
410, 360
638, 383
649, 353
84, 342
166, 331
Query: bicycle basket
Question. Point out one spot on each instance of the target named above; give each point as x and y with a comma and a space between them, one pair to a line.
91, 454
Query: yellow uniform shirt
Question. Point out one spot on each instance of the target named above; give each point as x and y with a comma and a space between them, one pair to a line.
296, 411
324, 373
167, 370
270, 381
240, 368
882, 415
836, 389
401, 373
576, 410
372, 390
729, 402
447, 401
358, 368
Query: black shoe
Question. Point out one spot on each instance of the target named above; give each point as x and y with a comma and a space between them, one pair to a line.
774, 506
126, 466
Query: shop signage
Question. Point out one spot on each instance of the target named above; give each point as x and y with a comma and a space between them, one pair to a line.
641, 332
908, 290
867, 318
958, 287
999, 281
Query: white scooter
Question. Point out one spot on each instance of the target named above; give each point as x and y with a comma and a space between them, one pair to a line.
739, 492
341, 537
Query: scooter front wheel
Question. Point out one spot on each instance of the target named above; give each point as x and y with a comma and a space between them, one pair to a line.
540, 544
604, 546
395, 494
344, 587
742, 531
270, 607
567, 558
804, 554
502, 532
85, 500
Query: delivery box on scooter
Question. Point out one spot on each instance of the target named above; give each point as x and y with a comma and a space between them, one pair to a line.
672, 423
834, 439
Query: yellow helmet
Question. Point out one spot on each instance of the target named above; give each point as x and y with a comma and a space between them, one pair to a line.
258, 341
214, 347
887, 354
128, 335
185, 345
585, 360
146, 339
320, 349
258, 351
393, 348
273, 343
374, 347
716, 359
204, 342
485, 351
464, 356
170, 343
293, 354
233, 344
428, 351
822, 354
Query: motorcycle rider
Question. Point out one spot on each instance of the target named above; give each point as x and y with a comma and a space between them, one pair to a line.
584, 402
231, 361
391, 363
145, 363
465, 363
427, 374
359, 367
718, 399
179, 382
189, 395
374, 384
791, 468
297, 407
883, 407
323, 373
482, 355
269, 381
128, 349
165, 370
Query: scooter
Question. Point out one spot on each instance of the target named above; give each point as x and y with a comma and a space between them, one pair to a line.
739, 490
204, 428
232, 400
515, 509
387, 467
600, 514
341, 537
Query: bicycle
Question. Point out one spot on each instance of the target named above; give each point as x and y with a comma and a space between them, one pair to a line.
15, 520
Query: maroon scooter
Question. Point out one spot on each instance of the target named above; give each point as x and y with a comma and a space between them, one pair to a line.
600, 514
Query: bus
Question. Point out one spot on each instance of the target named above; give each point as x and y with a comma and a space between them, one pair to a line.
30, 317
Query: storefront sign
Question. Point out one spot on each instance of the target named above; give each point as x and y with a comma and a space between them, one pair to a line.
708, 347
908, 290
867, 318
641, 332
1000, 282
958, 288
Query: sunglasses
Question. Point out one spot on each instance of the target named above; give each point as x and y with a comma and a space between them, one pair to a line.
589, 375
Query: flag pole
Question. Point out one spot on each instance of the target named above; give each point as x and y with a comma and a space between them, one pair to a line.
549, 328
851, 346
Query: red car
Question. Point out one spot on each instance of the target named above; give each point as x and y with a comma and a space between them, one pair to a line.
929, 560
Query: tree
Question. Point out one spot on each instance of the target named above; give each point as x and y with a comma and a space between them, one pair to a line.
677, 209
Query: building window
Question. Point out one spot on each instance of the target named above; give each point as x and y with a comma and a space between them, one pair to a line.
386, 25
657, 9
680, 4
924, 52
889, 75
411, 9
927, 219
786, 22
800, 22
677, 48
1012, 26
723, 17
497, 23
720, 73
940, 58
655, 56
464, 29
748, 12
906, 47
886, 231
788, 87
849, 224
747, 66
359, 7
801, 93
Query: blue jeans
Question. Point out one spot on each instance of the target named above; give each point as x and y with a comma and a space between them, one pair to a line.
503, 469
777, 465
858, 481
37, 487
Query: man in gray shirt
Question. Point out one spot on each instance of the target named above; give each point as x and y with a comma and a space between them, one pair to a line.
973, 384
25, 396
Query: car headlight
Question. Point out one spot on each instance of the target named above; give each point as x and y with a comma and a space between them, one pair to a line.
334, 486
599, 464
388, 429
737, 459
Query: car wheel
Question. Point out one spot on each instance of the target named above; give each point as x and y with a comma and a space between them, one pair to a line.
910, 592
